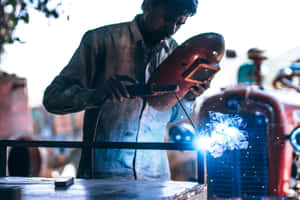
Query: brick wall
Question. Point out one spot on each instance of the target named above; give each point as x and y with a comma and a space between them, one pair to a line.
15, 114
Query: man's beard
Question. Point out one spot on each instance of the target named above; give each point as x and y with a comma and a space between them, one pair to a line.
162, 35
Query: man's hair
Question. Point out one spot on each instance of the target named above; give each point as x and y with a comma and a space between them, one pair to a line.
179, 7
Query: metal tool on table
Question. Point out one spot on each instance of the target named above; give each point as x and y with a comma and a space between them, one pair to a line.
63, 182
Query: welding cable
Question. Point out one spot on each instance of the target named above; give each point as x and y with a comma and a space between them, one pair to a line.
196, 132
98, 117
186, 113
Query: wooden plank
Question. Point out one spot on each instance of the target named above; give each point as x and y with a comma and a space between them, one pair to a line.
90, 189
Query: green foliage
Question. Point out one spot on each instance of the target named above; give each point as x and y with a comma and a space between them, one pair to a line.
14, 11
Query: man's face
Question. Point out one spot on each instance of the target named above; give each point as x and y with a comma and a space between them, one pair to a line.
162, 23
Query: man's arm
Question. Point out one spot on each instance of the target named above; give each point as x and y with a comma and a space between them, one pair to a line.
74, 89
62, 96
70, 90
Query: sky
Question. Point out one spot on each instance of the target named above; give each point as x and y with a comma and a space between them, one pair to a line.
272, 25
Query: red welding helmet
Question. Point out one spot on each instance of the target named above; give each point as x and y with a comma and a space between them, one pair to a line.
191, 63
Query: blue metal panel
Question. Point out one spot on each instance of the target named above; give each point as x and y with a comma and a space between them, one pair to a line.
242, 173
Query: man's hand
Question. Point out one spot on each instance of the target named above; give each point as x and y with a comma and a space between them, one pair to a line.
114, 88
197, 90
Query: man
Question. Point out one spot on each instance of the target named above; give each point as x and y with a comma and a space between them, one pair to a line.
108, 59
252, 73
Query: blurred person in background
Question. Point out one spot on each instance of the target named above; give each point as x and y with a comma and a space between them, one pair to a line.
288, 77
252, 73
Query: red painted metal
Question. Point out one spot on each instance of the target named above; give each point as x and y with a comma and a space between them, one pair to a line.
278, 107
182, 63
15, 115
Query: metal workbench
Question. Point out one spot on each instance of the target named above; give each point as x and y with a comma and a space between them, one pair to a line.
90, 189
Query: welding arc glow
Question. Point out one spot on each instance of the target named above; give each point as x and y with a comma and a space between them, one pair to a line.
222, 132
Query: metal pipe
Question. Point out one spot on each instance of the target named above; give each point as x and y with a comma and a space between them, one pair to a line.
184, 146
201, 167
103, 145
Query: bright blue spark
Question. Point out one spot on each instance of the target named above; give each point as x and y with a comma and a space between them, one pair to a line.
222, 133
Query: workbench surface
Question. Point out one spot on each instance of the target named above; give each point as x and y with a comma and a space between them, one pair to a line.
90, 189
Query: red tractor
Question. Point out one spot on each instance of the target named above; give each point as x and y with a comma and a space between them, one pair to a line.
264, 168
271, 119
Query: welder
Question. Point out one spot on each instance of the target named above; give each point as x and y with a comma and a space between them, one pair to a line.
97, 79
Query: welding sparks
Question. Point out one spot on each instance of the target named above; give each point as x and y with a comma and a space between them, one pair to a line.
222, 132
